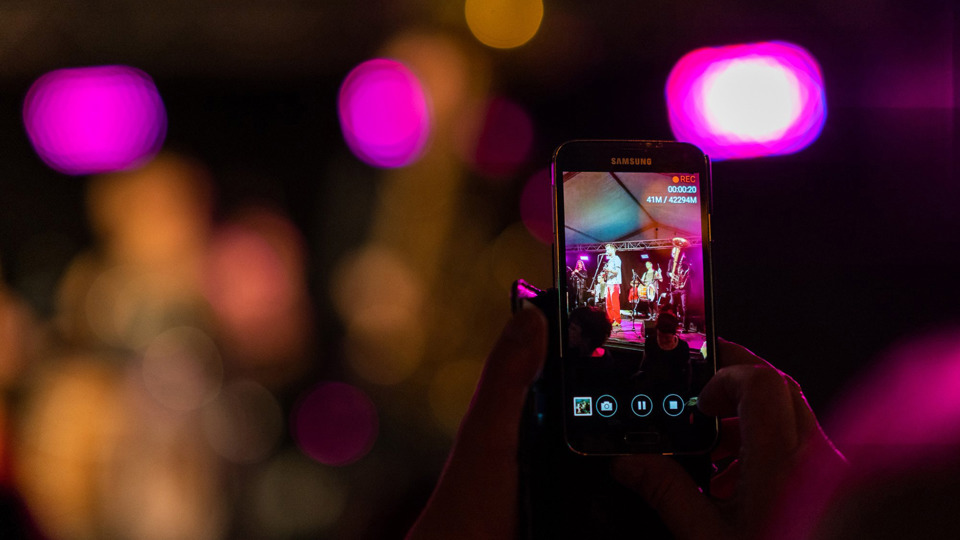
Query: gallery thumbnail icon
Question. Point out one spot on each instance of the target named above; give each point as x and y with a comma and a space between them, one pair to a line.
583, 406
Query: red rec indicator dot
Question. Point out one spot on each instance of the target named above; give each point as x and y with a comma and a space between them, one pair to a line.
676, 179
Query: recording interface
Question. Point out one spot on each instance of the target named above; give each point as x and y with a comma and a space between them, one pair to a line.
682, 184
633, 247
634, 295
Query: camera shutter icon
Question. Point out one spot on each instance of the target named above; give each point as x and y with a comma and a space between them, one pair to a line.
606, 406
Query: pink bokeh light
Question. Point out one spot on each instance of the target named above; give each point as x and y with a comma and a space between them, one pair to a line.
384, 114
335, 423
900, 419
94, 119
255, 284
746, 101
504, 141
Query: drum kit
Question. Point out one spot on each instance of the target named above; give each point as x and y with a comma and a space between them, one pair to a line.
639, 292
645, 292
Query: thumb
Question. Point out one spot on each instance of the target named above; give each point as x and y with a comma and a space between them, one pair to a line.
518, 355
493, 418
477, 490
669, 490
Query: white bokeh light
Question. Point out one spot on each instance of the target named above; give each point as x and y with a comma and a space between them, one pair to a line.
755, 98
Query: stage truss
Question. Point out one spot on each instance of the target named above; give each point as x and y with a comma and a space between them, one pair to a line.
632, 245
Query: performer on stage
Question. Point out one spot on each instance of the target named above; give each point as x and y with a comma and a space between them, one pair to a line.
651, 279
580, 272
678, 291
578, 282
612, 272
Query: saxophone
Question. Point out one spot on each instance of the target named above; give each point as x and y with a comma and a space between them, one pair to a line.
678, 274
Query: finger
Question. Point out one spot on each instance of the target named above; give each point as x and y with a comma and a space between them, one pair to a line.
762, 399
477, 490
764, 402
723, 485
776, 427
518, 355
670, 491
510, 369
806, 421
732, 354
728, 444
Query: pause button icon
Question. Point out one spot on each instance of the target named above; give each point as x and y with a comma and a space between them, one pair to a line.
642, 405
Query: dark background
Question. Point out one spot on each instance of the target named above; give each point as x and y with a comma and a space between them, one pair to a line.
823, 258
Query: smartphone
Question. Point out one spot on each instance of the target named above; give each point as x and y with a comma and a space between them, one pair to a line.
633, 275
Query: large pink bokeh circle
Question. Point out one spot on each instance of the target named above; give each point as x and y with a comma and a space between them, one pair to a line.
695, 109
384, 113
97, 119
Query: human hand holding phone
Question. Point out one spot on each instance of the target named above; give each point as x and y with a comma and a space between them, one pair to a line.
768, 430
768, 426
768, 423
476, 495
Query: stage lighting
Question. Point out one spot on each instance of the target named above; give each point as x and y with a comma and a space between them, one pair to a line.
94, 119
746, 101
384, 113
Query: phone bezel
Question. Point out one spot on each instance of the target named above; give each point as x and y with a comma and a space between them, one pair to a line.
666, 156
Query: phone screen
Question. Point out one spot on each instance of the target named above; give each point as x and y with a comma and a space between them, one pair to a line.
635, 295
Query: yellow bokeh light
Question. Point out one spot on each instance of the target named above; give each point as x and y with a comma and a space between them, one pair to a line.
504, 24
294, 497
75, 415
385, 322
154, 217
386, 358
181, 369
451, 391
244, 423
374, 287
125, 308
